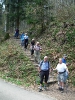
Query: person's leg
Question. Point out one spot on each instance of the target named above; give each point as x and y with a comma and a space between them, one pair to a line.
41, 79
65, 77
35, 55
46, 79
27, 42
59, 81
21, 42
38, 56
62, 82
24, 44
32, 51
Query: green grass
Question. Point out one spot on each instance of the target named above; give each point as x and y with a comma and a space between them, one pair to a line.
55, 49
15, 66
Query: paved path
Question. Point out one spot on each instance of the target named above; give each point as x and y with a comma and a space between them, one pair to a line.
10, 91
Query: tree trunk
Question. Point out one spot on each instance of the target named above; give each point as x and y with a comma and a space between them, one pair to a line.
17, 19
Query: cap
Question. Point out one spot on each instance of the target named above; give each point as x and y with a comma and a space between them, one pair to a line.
37, 43
26, 33
64, 55
33, 39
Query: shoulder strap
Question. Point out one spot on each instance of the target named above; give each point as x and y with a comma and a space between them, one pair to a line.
42, 63
48, 64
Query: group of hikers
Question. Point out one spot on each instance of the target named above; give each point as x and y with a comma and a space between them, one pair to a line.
35, 47
62, 71
16, 35
44, 66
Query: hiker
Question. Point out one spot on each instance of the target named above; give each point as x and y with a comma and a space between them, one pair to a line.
16, 33
64, 58
32, 46
37, 49
44, 68
65, 62
26, 41
61, 69
22, 38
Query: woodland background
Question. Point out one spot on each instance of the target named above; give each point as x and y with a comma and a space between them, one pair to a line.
51, 22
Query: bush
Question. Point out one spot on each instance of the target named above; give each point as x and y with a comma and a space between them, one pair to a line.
7, 36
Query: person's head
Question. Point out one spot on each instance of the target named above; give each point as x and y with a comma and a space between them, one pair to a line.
46, 58
33, 39
60, 60
25, 33
37, 43
64, 56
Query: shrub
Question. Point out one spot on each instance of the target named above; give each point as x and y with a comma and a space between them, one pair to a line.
7, 36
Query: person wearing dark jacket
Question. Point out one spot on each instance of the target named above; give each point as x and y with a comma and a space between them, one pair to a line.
26, 41
32, 46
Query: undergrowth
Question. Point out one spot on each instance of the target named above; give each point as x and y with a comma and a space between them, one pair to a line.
54, 47
15, 66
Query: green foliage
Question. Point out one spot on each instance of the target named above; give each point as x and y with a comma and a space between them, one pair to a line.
48, 43
15, 66
73, 80
38, 14
40, 2
7, 36
66, 13
71, 37
0, 14
38, 80
56, 30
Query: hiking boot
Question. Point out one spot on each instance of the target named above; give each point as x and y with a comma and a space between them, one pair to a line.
40, 90
45, 88
62, 90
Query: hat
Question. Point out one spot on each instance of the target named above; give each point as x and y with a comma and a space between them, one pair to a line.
37, 43
64, 55
33, 39
25, 33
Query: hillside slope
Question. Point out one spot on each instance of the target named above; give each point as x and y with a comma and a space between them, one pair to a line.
58, 42
15, 66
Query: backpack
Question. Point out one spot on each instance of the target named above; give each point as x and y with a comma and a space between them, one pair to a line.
42, 63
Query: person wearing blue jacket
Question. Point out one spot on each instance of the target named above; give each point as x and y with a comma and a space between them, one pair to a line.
22, 38
65, 62
26, 38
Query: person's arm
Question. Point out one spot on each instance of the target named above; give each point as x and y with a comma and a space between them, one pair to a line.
50, 69
67, 69
34, 47
54, 69
40, 48
39, 69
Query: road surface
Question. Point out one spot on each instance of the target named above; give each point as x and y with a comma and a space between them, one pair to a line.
10, 91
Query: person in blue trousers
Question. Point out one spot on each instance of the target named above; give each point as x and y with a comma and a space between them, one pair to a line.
22, 38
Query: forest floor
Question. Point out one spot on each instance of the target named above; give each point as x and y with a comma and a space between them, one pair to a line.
69, 92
